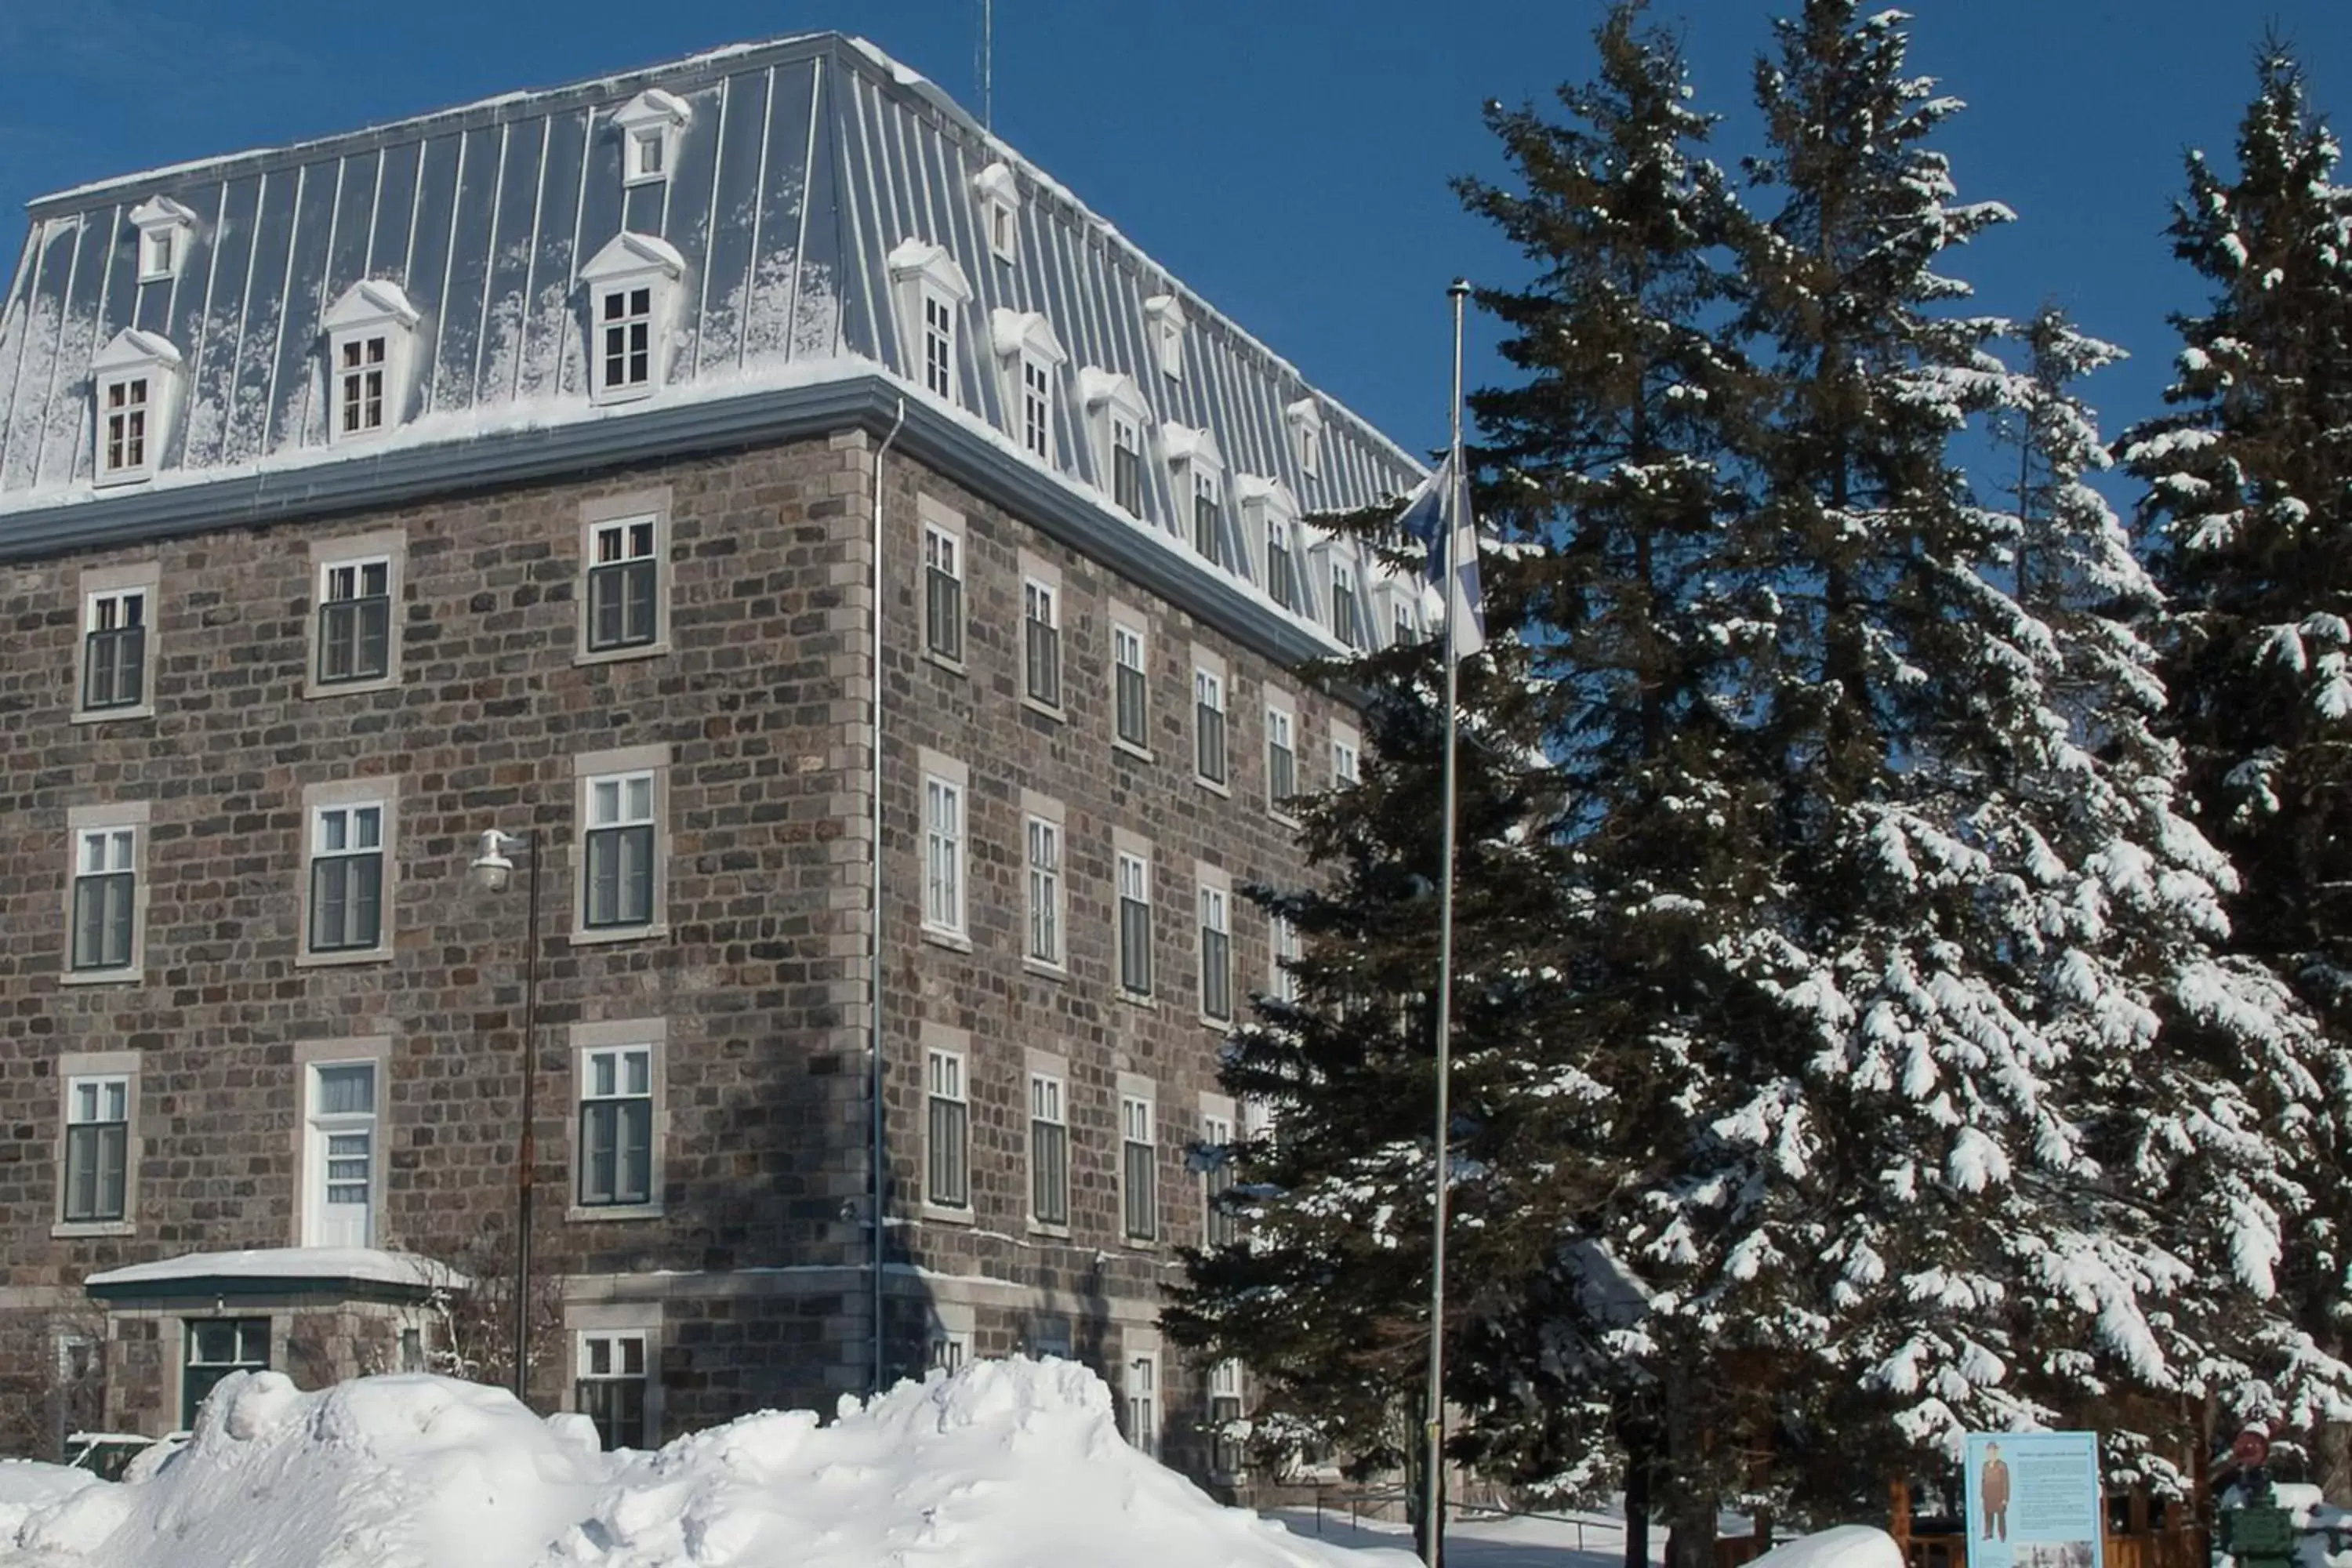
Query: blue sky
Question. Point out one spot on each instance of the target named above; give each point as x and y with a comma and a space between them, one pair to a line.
1288, 158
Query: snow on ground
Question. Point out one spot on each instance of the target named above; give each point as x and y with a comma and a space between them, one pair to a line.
27, 1487
1006, 1465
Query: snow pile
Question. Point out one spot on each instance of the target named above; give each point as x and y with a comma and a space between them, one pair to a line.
26, 1488
1846, 1546
1008, 1463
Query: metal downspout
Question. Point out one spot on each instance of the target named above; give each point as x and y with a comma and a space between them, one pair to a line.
877, 1198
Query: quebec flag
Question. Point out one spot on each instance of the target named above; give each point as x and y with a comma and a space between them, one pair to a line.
1439, 516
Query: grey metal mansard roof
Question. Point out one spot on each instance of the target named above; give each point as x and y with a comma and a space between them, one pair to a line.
803, 165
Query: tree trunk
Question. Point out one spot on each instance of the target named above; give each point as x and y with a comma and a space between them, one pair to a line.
1691, 1501
1638, 1461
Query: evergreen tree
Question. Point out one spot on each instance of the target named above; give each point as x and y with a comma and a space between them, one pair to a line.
2248, 512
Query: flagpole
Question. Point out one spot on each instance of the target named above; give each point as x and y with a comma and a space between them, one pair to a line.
1433, 1513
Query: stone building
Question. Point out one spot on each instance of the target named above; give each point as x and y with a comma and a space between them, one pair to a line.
523, 467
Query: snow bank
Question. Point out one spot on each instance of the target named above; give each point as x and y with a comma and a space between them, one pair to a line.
1008, 1463
27, 1487
1846, 1546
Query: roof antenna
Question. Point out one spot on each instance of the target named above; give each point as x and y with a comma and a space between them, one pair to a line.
988, 66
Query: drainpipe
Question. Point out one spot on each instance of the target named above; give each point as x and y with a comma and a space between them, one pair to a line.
873, 923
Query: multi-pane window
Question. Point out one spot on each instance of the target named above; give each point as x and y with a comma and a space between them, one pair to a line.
354, 620
122, 447
1283, 937
1208, 523
215, 1348
1049, 1150
1346, 624
359, 382
950, 1351
611, 1388
1139, 1168
1143, 1395
342, 1154
1345, 762
626, 319
114, 649
1044, 837
157, 248
1225, 1418
943, 593
1281, 757
1405, 630
1217, 955
346, 877
1130, 698
947, 1180
105, 897
620, 851
1217, 1227
1208, 725
98, 1148
1127, 465
939, 345
624, 584
1036, 408
1135, 925
1281, 570
646, 154
617, 1127
943, 854
1041, 630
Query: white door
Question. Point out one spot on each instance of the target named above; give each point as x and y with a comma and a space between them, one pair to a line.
343, 1155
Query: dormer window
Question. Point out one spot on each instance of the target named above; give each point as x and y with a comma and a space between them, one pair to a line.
1347, 616
1000, 210
1166, 316
1116, 417
650, 125
1032, 359
369, 335
1198, 473
1270, 528
931, 291
632, 285
1305, 419
164, 228
135, 377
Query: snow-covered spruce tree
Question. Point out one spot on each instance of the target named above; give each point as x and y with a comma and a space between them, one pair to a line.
1985, 934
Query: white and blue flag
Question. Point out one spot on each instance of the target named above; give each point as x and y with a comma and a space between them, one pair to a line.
1439, 516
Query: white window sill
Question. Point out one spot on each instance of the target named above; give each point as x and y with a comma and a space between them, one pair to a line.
108, 715
1282, 819
1045, 971
1048, 710
313, 686
340, 957
592, 1214
1138, 999
1057, 1232
941, 1213
1223, 791
68, 1229
123, 477
599, 936
1222, 1025
953, 940
603, 396
953, 665
1140, 1243
1140, 754
133, 977
660, 647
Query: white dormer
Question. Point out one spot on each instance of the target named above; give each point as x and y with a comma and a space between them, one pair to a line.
1166, 315
1031, 359
1304, 420
1197, 480
136, 380
1397, 608
164, 228
650, 125
1333, 577
370, 334
1116, 419
1000, 210
1270, 532
930, 292
631, 286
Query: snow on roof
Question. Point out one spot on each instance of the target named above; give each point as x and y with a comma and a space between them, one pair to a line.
364, 1265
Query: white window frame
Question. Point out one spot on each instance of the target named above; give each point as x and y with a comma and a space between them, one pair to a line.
1128, 635
949, 1353
1131, 861
999, 194
1196, 467
1212, 694
1117, 420
114, 586
591, 770
1140, 1400
328, 558
945, 881
135, 382
1282, 945
109, 824
1215, 918
947, 1105
1046, 862
1164, 313
320, 1128
348, 806
1347, 756
1049, 1107
164, 228
614, 1039
1138, 1129
1030, 360
944, 557
1281, 724
1041, 608
1352, 630
651, 125
90, 1094
601, 1355
1269, 511
932, 291
1228, 1459
630, 1071
1216, 1169
1304, 420
371, 312
623, 546
630, 263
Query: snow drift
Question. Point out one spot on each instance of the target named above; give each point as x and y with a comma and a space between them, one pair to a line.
1013, 1462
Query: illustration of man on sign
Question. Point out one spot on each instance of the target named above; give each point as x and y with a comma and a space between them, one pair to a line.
1992, 1486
